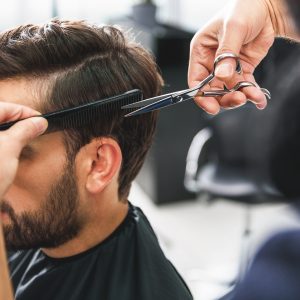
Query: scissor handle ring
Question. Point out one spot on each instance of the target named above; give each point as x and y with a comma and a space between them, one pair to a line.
223, 56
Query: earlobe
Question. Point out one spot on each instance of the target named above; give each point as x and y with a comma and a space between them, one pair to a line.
105, 165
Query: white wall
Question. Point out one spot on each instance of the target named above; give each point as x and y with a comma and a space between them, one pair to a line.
190, 14
15, 12
94, 10
195, 13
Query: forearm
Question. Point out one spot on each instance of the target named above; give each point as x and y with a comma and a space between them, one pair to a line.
5, 283
282, 19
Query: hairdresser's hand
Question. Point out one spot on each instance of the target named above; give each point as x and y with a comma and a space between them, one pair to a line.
12, 142
14, 139
246, 28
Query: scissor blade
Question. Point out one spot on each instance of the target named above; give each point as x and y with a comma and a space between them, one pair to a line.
145, 102
148, 101
171, 100
151, 107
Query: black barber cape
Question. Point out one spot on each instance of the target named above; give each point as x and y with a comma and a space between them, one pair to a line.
128, 265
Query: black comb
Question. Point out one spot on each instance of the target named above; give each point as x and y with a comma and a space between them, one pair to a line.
78, 116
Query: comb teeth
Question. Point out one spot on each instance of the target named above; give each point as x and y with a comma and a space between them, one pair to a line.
85, 114
81, 115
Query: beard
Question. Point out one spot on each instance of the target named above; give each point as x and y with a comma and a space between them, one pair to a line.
53, 224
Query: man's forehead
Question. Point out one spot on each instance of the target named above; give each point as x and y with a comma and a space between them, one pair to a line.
26, 92
20, 91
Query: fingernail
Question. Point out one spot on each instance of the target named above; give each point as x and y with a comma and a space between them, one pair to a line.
224, 70
40, 123
212, 112
261, 106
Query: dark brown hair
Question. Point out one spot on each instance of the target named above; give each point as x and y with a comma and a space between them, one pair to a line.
77, 62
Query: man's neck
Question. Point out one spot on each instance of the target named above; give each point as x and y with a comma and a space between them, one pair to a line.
93, 233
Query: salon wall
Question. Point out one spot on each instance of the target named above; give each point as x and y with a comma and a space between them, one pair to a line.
189, 14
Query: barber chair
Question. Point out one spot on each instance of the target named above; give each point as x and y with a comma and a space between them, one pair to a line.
223, 160
227, 160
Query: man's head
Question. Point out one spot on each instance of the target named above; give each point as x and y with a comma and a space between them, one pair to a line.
63, 64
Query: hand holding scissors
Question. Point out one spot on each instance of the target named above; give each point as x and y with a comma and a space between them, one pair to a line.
246, 28
166, 100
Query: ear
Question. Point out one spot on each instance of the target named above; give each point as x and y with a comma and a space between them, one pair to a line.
102, 163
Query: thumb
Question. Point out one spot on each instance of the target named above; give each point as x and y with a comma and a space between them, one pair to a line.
23, 132
231, 41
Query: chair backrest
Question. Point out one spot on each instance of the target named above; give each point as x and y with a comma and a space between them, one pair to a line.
229, 129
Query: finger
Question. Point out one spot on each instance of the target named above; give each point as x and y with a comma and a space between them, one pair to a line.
12, 112
254, 94
232, 100
21, 134
239, 98
231, 41
196, 73
200, 62
12, 142
225, 69
209, 104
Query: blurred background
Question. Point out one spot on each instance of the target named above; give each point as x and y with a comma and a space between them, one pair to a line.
188, 14
213, 187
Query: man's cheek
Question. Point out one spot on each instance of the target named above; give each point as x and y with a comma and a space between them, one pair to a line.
20, 200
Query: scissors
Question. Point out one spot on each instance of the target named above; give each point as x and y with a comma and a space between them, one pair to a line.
166, 100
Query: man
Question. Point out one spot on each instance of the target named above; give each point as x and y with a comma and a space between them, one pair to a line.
66, 215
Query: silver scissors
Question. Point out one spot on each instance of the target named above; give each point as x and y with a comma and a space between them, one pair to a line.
166, 100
